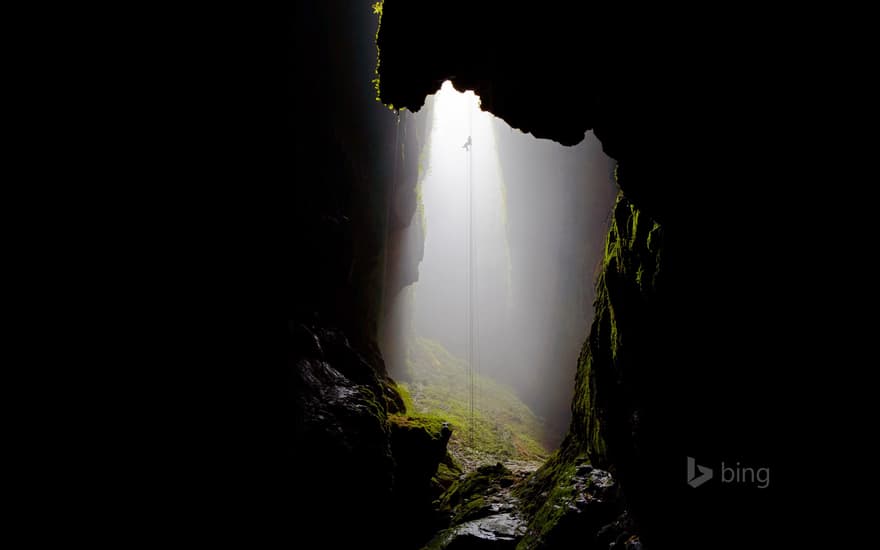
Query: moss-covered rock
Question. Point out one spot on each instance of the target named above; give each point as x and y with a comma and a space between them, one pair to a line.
352, 438
625, 288
418, 445
569, 504
482, 511
565, 500
448, 472
467, 498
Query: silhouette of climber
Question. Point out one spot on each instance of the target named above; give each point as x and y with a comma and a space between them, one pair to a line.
467, 144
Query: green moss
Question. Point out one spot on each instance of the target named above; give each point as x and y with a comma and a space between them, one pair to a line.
627, 281
403, 390
634, 228
377, 409
504, 427
423, 167
377, 10
448, 473
431, 424
549, 492
472, 509
548, 516
441, 541
420, 205
465, 500
654, 238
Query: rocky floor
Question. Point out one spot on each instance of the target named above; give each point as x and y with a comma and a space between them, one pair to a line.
485, 512
470, 459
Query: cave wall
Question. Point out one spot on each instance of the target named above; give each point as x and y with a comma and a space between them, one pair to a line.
406, 241
354, 170
557, 202
349, 157
609, 388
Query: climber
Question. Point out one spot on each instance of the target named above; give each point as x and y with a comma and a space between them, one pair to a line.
467, 144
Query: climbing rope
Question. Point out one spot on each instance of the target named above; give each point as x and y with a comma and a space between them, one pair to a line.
473, 310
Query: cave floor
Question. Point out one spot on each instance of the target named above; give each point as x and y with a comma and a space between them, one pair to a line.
469, 459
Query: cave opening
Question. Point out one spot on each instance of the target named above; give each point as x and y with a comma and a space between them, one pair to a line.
511, 230
703, 316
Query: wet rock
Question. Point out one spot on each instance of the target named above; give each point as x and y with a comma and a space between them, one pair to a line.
341, 440
495, 531
421, 467
578, 512
418, 450
618, 535
447, 474
346, 441
480, 493
482, 510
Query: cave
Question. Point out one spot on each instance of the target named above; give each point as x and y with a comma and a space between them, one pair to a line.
685, 338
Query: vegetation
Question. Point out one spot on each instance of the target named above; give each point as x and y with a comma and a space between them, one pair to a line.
377, 10
466, 498
548, 493
504, 427
629, 275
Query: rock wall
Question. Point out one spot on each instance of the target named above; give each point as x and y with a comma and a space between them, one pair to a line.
353, 174
341, 440
607, 404
363, 472
608, 398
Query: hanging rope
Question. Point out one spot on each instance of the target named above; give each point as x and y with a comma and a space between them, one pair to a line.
473, 320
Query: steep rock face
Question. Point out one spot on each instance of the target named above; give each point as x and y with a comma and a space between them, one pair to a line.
406, 239
343, 444
354, 170
605, 428
419, 447
341, 440
609, 392
353, 173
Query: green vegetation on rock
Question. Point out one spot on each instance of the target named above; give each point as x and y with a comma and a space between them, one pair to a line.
377, 10
505, 428
626, 283
547, 494
465, 499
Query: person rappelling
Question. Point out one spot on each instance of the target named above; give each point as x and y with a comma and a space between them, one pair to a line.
467, 144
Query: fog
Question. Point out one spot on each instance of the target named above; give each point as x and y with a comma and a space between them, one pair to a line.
513, 233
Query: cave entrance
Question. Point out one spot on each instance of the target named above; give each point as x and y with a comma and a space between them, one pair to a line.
512, 228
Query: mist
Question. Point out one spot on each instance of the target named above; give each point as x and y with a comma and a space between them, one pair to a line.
513, 229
